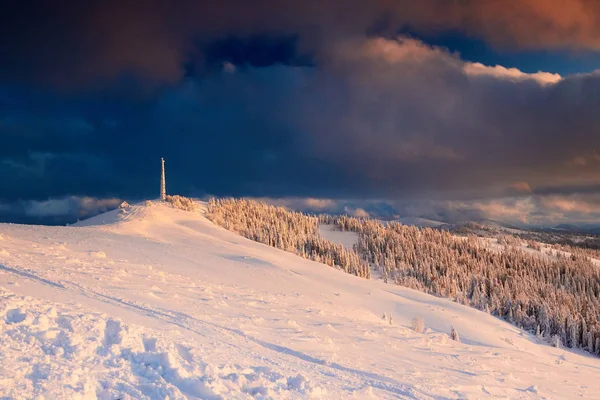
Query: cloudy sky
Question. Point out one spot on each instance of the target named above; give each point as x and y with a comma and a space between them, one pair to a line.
443, 109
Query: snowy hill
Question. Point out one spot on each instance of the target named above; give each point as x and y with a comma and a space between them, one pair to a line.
160, 303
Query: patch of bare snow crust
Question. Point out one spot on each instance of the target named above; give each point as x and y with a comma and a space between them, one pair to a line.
159, 303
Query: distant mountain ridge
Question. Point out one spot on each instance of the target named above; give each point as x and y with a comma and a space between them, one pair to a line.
490, 224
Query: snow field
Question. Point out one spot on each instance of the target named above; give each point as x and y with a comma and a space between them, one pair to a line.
180, 308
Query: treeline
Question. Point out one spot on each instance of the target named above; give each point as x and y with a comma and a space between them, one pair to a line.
580, 240
559, 298
290, 231
578, 251
578, 246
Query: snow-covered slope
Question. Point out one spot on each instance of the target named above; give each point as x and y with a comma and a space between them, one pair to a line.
345, 238
161, 303
423, 222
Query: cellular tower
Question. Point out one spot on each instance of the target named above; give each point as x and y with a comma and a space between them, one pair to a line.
163, 183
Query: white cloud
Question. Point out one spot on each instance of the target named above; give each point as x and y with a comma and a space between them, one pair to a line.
356, 212
511, 74
403, 50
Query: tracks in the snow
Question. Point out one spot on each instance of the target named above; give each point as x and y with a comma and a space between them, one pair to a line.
234, 341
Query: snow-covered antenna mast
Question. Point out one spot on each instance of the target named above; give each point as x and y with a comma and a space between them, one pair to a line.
163, 184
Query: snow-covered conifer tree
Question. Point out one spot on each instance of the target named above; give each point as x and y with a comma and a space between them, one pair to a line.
454, 334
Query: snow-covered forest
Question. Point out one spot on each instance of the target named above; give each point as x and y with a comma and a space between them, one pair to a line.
557, 297
287, 230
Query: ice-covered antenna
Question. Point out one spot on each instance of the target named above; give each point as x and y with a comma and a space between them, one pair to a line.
163, 184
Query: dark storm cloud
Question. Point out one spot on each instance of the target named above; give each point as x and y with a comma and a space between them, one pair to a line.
406, 119
381, 119
78, 44
287, 99
399, 119
57, 211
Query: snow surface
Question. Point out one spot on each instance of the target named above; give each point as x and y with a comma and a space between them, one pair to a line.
160, 303
332, 233
422, 222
